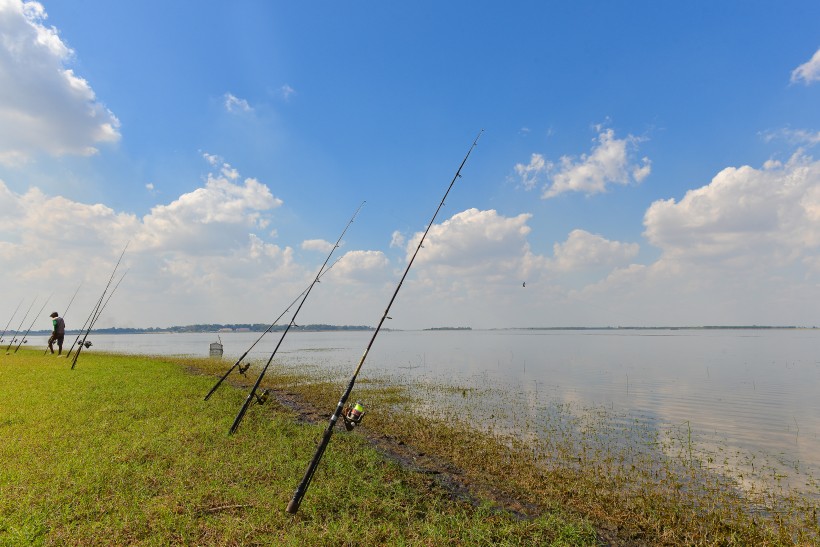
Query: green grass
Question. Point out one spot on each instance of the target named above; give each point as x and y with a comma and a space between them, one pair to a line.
124, 451
638, 482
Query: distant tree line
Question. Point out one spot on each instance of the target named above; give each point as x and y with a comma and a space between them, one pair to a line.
218, 327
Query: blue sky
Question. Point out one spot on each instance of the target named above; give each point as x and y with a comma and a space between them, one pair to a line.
642, 163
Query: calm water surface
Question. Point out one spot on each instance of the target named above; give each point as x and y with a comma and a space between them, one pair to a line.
758, 390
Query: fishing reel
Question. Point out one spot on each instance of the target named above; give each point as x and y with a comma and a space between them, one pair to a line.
87, 343
243, 370
352, 415
262, 398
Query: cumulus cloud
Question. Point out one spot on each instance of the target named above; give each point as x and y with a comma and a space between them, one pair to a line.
484, 249
199, 252
361, 267
744, 217
609, 162
44, 106
219, 213
472, 239
317, 245
583, 250
809, 71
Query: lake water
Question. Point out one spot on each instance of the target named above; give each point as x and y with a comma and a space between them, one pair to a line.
757, 391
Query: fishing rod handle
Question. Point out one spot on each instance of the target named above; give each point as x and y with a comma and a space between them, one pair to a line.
241, 414
301, 489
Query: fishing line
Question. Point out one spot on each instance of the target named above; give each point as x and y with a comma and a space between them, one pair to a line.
17, 330
91, 316
242, 369
86, 343
6, 328
263, 397
354, 414
23, 339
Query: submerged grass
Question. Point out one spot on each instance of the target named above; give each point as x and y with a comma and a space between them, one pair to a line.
124, 451
638, 483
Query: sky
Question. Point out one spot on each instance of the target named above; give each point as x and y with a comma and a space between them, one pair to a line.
640, 163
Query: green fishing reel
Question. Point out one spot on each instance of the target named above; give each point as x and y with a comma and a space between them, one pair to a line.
352, 415
262, 398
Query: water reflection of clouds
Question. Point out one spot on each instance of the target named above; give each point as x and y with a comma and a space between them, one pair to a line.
755, 389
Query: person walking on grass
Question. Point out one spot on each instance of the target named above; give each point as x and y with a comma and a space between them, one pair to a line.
57, 333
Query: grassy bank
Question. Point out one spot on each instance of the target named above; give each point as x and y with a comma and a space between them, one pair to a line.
637, 482
124, 451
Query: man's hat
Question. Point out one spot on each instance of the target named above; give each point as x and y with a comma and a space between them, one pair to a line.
54, 314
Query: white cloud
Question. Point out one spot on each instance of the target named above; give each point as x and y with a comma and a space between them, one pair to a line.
745, 217
480, 252
219, 213
583, 250
531, 172
809, 71
472, 240
235, 104
397, 239
317, 245
609, 162
44, 106
197, 255
801, 137
361, 267
740, 250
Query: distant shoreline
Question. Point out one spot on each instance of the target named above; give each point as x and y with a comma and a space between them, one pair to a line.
259, 328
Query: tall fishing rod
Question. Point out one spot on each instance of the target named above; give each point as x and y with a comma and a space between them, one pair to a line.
96, 306
17, 331
84, 343
356, 414
68, 307
6, 328
23, 339
85, 324
242, 369
252, 393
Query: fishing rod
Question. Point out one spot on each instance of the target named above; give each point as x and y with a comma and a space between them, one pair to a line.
96, 306
352, 416
68, 307
23, 339
17, 331
261, 399
82, 329
6, 328
87, 343
242, 369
